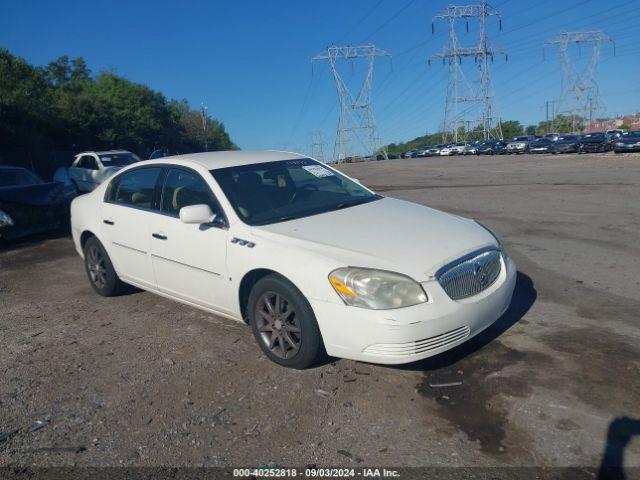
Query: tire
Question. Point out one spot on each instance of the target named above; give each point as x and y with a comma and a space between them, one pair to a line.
277, 338
100, 271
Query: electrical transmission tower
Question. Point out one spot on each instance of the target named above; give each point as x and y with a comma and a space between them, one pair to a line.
317, 146
356, 126
474, 95
580, 95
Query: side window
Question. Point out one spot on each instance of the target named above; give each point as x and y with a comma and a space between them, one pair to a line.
183, 188
135, 187
88, 162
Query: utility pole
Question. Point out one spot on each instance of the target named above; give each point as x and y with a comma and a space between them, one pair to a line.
580, 93
203, 113
317, 146
356, 124
461, 90
549, 120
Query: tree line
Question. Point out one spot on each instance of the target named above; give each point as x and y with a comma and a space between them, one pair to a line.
63, 107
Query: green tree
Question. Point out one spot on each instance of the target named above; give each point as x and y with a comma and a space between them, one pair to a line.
511, 129
63, 107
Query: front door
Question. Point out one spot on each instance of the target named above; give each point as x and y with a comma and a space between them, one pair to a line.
189, 260
130, 206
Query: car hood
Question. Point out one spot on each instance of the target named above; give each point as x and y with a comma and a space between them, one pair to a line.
389, 234
629, 140
35, 195
594, 140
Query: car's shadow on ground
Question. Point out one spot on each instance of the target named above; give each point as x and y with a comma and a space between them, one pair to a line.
620, 433
524, 296
33, 240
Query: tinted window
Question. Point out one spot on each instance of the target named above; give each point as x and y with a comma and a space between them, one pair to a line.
135, 187
183, 188
88, 162
118, 159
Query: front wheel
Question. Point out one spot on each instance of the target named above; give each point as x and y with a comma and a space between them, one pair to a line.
283, 323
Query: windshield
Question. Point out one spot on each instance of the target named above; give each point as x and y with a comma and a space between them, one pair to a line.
632, 133
521, 139
118, 159
271, 192
568, 137
595, 135
18, 176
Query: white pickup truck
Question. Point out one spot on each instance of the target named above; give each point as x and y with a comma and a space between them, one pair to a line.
90, 169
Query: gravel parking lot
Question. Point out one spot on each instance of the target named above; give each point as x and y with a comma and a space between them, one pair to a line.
140, 380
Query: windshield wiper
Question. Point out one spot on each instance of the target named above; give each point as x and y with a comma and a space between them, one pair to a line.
353, 203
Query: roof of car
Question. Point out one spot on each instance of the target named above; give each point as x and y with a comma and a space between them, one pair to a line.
103, 152
213, 160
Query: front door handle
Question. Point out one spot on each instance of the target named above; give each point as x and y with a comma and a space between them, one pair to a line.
159, 236
108, 222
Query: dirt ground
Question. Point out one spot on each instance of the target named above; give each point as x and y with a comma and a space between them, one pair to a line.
141, 380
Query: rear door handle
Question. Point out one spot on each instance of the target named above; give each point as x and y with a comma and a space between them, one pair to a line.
159, 236
108, 222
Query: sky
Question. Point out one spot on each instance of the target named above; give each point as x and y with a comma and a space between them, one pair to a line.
250, 63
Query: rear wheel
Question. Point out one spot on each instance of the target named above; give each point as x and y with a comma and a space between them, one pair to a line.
102, 276
283, 323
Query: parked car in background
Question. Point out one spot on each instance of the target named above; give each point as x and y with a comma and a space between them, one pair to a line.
596, 142
492, 147
90, 169
520, 144
29, 205
458, 148
228, 232
612, 138
567, 144
552, 136
446, 150
628, 142
471, 149
434, 151
540, 145
409, 154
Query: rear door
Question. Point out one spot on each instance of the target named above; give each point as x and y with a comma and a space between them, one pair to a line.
131, 202
189, 260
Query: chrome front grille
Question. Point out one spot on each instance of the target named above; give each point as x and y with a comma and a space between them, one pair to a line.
471, 274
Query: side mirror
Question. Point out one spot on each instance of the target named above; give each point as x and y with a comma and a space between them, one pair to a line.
197, 214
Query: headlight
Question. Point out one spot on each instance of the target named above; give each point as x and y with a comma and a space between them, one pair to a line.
492, 234
376, 289
5, 220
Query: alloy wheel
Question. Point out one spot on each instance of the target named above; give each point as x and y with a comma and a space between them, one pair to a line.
278, 325
97, 267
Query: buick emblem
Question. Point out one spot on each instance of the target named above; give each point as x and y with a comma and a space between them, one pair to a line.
479, 273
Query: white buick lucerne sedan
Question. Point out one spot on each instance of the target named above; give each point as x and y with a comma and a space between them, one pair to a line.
312, 260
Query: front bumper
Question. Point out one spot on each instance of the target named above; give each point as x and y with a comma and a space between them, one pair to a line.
594, 147
412, 333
